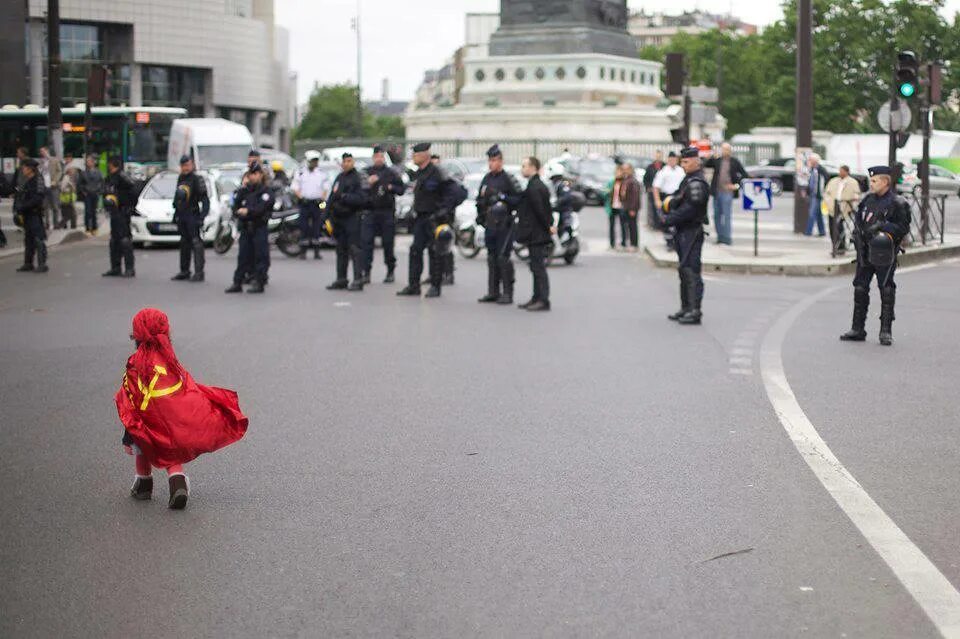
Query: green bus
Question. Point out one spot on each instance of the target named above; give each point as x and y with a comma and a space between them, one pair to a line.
139, 135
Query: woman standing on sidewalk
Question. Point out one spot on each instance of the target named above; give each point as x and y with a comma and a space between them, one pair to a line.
615, 209
90, 188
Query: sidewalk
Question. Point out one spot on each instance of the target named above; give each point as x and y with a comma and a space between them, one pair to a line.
55, 237
781, 251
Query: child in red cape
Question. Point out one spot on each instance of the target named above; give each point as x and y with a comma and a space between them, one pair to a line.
168, 418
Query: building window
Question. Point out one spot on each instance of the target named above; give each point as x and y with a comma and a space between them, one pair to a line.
623, 75
240, 8
603, 73
499, 75
480, 75
633, 77
560, 73
540, 73
581, 73
613, 74
179, 86
520, 74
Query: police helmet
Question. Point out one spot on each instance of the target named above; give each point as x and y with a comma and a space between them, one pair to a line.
182, 195
882, 250
276, 165
669, 202
312, 155
499, 209
444, 239
111, 201
555, 170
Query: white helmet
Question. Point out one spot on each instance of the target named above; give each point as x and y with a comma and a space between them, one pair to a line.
312, 155
554, 169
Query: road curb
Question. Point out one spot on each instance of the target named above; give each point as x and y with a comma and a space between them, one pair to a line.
913, 256
70, 237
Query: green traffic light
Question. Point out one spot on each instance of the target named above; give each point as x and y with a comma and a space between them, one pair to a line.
907, 89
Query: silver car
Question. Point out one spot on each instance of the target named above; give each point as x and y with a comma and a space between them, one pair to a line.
942, 182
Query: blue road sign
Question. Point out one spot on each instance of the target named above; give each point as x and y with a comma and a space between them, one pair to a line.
757, 194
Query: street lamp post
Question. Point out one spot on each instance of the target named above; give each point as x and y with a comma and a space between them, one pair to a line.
356, 27
804, 102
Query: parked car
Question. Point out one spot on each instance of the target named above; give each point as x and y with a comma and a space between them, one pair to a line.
942, 181
782, 171
154, 220
362, 155
590, 175
269, 156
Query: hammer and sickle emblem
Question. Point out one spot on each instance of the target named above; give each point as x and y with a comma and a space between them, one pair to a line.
152, 391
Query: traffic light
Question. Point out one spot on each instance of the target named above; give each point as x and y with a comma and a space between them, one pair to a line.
908, 74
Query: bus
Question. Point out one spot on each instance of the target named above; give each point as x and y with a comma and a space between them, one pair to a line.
139, 135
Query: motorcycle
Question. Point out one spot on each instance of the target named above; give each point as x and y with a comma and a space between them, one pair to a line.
566, 245
227, 233
470, 239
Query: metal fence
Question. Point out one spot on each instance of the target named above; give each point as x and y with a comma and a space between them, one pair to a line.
515, 150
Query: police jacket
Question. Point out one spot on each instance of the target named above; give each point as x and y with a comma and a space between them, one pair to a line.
431, 194
191, 200
535, 215
347, 195
688, 206
118, 186
494, 188
889, 213
383, 194
29, 196
564, 192
258, 200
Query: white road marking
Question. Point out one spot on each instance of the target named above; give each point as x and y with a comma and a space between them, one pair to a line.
341, 304
740, 352
741, 371
742, 361
922, 579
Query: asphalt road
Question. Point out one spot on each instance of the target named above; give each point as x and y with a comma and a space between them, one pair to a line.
424, 468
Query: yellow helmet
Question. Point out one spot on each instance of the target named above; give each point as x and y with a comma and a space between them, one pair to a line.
111, 200
276, 165
666, 203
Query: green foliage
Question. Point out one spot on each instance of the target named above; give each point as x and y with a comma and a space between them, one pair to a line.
854, 47
332, 113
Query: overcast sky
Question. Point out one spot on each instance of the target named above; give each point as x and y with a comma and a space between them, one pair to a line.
402, 38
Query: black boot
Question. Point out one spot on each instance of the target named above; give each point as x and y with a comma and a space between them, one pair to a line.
338, 285
433, 291
256, 288
493, 282
684, 303
861, 302
389, 279
888, 298
182, 276
235, 288
26, 268
693, 316
538, 306
356, 285
527, 304
197, 277
114, 272
178, 492
506, 272
412, 291
142, 488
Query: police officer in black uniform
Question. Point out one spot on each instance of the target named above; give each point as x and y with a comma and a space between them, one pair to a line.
252, 206
119, 198
433, 205
880, 224
348, 199
686, 212
497, 199
564, 197
191, 204
384, 186
28, 199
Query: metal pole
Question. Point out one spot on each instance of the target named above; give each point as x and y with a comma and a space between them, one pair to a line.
892, 141
804, 100
686, 115
54, 116
756, 233
926, 113
359, 83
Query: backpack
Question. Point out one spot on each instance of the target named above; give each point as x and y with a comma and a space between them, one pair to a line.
458, 192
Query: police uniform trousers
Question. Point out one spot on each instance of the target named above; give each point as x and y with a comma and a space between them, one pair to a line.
310, 221
689, 244
424, 239
499, 243
538, 268
346, 231
121, 241
254, 253
866, 272
34, 240
380, 222
191, 244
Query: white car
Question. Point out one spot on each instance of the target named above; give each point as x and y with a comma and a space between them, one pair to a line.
362, 155
155, 224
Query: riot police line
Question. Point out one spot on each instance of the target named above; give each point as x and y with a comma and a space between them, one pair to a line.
532, 223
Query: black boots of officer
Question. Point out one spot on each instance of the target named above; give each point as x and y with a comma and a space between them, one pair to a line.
888, 298
861, 302
493, 281
344, 257
121, 251
193, 248
499, 272
684, 302
34, 246
691, 295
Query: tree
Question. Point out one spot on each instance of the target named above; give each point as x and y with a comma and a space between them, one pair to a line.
332, 113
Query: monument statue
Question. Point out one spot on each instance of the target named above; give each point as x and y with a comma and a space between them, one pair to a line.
538, 27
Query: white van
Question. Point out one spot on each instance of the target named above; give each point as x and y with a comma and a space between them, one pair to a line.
211, 142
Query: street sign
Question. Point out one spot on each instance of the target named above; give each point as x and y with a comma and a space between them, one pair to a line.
757, 194
703, 114
704, 94
901, 117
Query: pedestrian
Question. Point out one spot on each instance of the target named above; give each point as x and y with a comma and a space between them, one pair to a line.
252, 206
191, 205
665, 184
653, 219
51, 169
120, 196
630, 203
840, 199
28, 203
90, 188
433, 204
724, 185
22, 156
6, 190
881, 222
168, 418
814, 189
614, 207
348, 199
310, 185
686, 212
498, 196
535, 230
384, 185
68, 198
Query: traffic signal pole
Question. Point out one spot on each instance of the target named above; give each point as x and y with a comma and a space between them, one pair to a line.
804, 103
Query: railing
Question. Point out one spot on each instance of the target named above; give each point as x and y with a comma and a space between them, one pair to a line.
934, 227
515, 150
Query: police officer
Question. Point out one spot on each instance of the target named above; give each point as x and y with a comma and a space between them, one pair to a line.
252, 206
384, 186
191, 204
498, 196
309, 185
433, 206
28, 200
880, 224
686, 212
253, 158
564, 196
348, 198
446, 258
119, 198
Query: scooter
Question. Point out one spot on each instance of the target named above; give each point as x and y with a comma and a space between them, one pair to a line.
566, 245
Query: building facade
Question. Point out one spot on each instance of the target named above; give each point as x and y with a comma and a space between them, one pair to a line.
216, 58
658, 29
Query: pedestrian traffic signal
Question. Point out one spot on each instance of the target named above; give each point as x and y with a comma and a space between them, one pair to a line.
908, 73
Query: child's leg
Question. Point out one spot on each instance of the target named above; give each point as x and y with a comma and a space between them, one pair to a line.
143, 466
176, 469
179, 487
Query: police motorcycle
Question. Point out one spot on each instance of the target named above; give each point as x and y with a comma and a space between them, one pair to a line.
469, 235
566, 241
